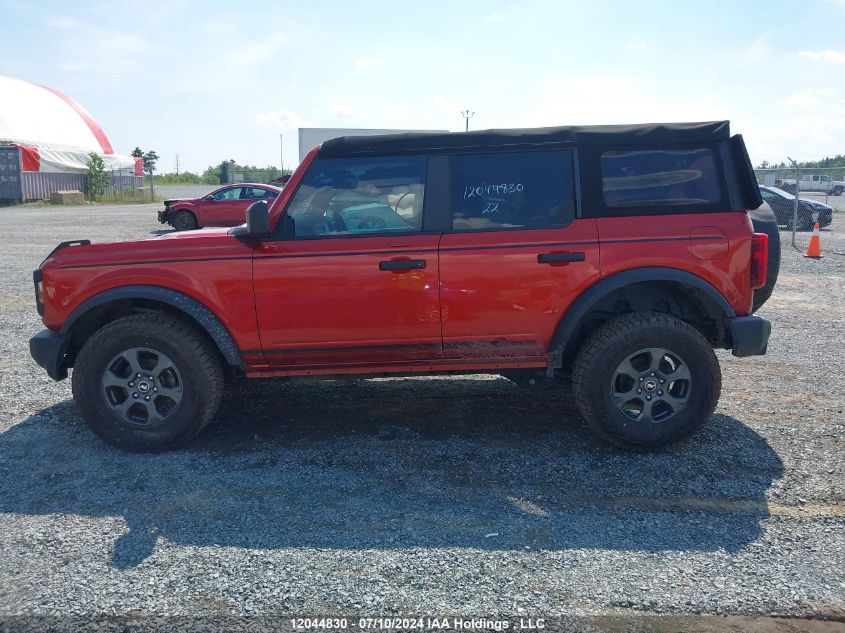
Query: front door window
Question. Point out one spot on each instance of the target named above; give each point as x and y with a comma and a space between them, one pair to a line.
360, 196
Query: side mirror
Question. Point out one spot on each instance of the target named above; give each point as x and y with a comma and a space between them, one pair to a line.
258, 219
208, 197
257, 223
288, 227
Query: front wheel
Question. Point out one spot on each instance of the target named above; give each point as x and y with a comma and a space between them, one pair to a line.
644, 381
147, 382
184, 221
837, 191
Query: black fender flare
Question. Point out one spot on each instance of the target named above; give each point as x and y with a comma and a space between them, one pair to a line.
588, 299
178, 300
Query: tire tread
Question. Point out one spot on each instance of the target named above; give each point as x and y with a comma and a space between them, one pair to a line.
609, 336
206, 361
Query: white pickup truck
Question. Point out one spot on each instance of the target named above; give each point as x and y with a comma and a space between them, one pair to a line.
813, 183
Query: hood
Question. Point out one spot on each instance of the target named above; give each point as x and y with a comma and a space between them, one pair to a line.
202, 244
816, 204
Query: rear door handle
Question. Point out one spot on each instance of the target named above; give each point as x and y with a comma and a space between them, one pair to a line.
402, 264
555, 258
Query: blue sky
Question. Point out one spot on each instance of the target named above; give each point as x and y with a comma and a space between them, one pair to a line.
211, 81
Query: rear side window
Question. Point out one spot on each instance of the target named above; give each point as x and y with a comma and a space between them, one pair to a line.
259, 192
660, 177
512, 190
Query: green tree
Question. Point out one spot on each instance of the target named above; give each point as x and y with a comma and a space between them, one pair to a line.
96, 180
150, 159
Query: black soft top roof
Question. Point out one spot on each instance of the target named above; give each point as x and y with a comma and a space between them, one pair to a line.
644, 133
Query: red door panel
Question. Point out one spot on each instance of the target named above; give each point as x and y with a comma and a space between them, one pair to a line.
224, 211
348, 301
237, 214
499, 301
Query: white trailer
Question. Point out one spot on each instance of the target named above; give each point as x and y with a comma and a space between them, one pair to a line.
310, 137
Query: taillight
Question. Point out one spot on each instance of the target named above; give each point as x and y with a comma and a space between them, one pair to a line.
759, 259
39, 291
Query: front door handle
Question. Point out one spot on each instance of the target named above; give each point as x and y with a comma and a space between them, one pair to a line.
402, 264
557, 258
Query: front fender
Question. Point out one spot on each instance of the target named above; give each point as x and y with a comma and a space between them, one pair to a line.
204, 317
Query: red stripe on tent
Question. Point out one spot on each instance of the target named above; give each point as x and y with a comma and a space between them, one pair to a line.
30, 158
95, 128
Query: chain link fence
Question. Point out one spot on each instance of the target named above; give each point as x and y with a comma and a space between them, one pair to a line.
819, 183
271, 176
821, 198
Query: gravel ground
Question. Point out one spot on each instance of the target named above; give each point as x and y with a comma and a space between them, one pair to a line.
445, 496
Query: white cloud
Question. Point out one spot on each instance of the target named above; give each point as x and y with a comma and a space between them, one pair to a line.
118, 42
612, 98
76, 67
368, 62
802, 100
759, 51
635, 43
242, 58
341, 111
443, 104
220, 23
830, 56
62, 22
280, 120
495, 17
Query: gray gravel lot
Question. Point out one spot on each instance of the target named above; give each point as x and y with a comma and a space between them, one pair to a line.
437, 496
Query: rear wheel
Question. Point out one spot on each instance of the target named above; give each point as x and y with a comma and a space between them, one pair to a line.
184, 221
147, 382
644, 381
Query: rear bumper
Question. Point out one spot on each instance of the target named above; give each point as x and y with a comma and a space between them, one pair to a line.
750, 335
825, 217
48, 350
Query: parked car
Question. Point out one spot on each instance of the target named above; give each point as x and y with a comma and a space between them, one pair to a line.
225, 206
813, 182
783, 204
612, 257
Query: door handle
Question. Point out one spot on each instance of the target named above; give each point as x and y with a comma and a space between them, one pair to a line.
402, 264
556, 258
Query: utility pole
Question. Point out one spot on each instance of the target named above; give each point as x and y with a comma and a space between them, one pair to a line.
467, 115
795, 202
177, 164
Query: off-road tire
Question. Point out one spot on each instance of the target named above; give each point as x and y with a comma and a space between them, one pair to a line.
184, 221
764, 221
600, 356
198, 363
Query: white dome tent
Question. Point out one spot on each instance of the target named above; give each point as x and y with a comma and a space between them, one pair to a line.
50, 136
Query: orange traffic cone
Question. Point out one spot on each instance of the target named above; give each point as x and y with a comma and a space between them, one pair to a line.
814, 248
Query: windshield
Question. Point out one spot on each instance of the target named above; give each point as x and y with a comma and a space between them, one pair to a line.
781, 192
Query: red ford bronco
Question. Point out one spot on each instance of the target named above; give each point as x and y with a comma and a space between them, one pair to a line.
614, 257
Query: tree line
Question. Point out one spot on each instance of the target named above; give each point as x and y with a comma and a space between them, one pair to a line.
227, 171
825, 163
